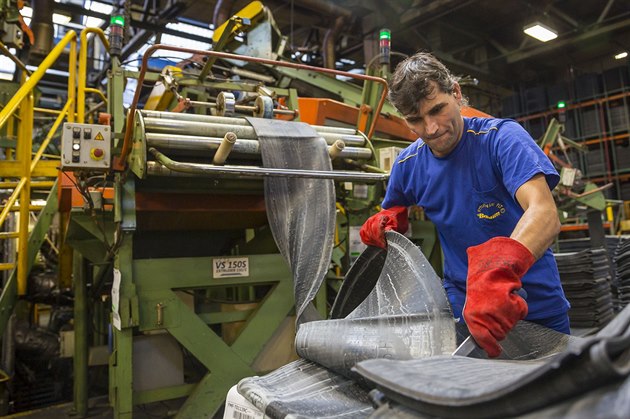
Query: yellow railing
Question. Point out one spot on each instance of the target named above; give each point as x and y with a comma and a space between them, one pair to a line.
23, 100
81, 88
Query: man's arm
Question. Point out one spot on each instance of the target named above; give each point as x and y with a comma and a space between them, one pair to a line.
539, 225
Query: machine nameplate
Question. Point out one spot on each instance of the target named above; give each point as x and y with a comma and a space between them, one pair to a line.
230, 267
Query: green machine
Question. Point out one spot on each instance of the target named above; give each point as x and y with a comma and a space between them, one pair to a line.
174, 257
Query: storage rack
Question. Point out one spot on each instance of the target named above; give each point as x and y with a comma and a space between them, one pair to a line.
597, 114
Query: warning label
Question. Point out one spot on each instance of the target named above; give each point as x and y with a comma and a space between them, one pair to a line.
99, 137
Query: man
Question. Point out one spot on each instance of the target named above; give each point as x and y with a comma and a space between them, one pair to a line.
486, 186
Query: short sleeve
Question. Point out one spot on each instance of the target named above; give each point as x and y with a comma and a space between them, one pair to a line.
520, 158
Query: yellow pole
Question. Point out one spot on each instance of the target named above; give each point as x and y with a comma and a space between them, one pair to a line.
37, 75
25, 142
72, 80
96, 91
83, 68
51, 133
44, 110
32, 164
43, 184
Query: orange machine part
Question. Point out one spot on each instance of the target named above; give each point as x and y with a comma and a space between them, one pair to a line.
320, 111
68, 195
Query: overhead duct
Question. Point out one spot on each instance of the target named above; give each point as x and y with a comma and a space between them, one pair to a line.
42, 27
222, 12
342, 16
330, 40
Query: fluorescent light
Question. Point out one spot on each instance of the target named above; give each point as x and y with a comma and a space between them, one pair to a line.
621, 55
541, 32
60, 19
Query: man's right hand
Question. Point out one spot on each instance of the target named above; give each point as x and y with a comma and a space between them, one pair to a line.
373, 230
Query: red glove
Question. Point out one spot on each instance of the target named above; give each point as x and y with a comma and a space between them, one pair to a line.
492, 307
373, 230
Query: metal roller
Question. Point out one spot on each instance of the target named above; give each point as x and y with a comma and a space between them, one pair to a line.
204, 129
263, 107
226, 104
242, 147
181, 127
233, 121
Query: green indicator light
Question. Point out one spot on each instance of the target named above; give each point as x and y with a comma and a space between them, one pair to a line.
385, 34
117, 20
562, 105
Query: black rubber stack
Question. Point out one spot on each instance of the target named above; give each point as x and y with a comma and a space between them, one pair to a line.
586, 280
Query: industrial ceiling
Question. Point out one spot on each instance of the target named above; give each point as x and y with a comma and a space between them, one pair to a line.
481, 39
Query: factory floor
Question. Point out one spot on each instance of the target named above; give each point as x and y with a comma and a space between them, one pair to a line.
99, 408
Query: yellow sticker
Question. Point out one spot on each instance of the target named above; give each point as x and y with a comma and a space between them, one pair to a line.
99, 137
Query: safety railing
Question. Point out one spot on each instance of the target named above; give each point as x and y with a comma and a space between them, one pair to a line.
25, 163
82, 88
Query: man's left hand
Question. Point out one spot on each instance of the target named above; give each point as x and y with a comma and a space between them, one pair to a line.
493, 307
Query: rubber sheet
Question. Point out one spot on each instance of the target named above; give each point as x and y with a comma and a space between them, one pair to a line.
358, 282
482, 388
301, 212
608, 402
405, 315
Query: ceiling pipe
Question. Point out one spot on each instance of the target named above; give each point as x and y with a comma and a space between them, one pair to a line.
42, 27
330, 41
326, 7
342, 16
222, 12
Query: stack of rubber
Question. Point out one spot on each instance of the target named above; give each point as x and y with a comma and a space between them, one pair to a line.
588, 379
622, 263
586, 280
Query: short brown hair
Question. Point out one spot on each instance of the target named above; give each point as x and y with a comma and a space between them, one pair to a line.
411, 81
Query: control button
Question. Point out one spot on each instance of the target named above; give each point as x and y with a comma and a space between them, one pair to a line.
76, 146
87, 134
76, 132
97, 153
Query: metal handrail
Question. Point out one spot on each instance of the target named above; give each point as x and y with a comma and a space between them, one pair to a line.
23, 99
36, 76
256, 172
81, 88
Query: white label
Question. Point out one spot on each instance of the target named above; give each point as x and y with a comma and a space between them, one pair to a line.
237, 411
230, 267
360, 191
116, 300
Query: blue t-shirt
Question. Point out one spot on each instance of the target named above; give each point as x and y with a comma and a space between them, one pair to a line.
470, 195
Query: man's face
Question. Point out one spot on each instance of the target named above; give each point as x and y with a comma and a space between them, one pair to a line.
439, 122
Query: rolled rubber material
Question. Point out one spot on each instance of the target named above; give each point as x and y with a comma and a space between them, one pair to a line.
404, 318
359, 281
481, 388
301, 212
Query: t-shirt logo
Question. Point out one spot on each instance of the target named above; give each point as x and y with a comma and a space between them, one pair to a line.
490, 210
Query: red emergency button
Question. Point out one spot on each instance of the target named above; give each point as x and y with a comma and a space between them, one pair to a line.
97, 153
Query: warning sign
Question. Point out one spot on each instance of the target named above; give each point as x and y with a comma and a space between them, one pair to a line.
99, 137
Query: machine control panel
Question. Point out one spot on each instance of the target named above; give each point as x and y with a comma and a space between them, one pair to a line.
86, 146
